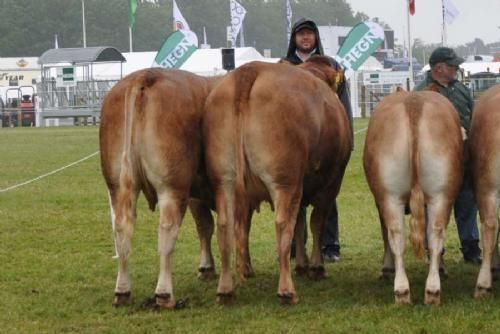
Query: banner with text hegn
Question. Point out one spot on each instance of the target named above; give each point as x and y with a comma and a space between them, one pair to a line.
363, 39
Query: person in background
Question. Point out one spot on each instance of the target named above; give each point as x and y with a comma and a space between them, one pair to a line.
444, 64
305, 42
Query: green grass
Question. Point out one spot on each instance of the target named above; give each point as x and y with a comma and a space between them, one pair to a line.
57, 274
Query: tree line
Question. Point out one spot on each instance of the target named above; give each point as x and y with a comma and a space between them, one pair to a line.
29, 26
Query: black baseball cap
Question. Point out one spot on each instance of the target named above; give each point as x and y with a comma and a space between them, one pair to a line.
445, 55
306, 25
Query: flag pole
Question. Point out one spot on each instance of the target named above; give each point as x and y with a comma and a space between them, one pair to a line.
174, 26
83, 25
410, 56
443, 32
242, 37
130, 39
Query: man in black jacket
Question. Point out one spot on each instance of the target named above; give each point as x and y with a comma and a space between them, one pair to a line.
305, 42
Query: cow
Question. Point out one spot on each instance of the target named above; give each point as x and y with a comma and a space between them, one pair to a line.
485, 159
413, 153
150, 141
275, 133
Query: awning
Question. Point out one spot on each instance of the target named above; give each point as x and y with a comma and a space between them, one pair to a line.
81, 55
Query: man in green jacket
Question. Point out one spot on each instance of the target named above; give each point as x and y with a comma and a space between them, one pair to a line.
444, 64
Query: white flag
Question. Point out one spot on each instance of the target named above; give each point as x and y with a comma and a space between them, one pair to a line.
289, 20
450, 11
180, 22
237, 16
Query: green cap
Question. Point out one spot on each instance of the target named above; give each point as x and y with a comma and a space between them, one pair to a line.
445, 55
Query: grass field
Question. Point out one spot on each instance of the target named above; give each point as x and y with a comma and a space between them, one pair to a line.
57, 274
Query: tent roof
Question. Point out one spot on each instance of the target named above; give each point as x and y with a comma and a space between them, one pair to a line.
206, 62
81, 55
371, 64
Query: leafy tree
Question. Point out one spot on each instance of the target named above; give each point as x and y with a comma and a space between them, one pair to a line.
29, 26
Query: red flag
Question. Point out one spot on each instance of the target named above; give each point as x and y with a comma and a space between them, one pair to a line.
412, 7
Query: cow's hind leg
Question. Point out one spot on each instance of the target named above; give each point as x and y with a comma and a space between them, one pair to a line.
495, 261
113, 220
225, 237
205, 228
172, 209
387, 272
393, 216
318, 225
489, 231
438, 216
301, 259
243, 262
287, 206
125, 209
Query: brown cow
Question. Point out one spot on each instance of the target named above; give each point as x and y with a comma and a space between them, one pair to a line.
276, 133
485, 158
150, 141
413, 152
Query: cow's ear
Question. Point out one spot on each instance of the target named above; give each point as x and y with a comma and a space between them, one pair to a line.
336, 78
433, 87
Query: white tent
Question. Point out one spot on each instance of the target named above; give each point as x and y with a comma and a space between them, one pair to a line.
206, 62
475, 67
371, 64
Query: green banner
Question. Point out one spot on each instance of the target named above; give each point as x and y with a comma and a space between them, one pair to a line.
363, 39
132, 7
176, 49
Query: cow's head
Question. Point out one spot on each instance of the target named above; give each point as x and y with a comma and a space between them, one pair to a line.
433, 87
321, 67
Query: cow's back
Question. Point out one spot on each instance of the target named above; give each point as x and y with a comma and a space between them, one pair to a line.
485, 142
291, 114
164, 124
402, 123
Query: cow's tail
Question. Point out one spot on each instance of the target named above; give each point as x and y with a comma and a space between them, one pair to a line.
127, 172
245, 78
125, 215
417, 203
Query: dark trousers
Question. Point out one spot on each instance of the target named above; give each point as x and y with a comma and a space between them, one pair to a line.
465, 212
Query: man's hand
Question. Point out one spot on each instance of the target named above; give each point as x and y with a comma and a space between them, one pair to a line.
464, 134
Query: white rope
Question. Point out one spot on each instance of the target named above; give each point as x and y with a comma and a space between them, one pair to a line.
359, 131
47, 174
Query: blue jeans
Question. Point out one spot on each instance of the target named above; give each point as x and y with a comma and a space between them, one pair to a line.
465, 212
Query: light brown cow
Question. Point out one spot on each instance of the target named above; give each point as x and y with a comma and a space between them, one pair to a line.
276, 133
485, 158
150, 141
413, 152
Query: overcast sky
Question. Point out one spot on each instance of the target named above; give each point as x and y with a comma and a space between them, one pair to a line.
477, 18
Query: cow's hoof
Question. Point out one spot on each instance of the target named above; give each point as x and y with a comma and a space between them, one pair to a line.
164, 301
227, 298
481, 292
249, 273
122, 299
301, 271
207, 273
387, 274
432, 297
288, 298
495, 274
317, 273
402, 297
